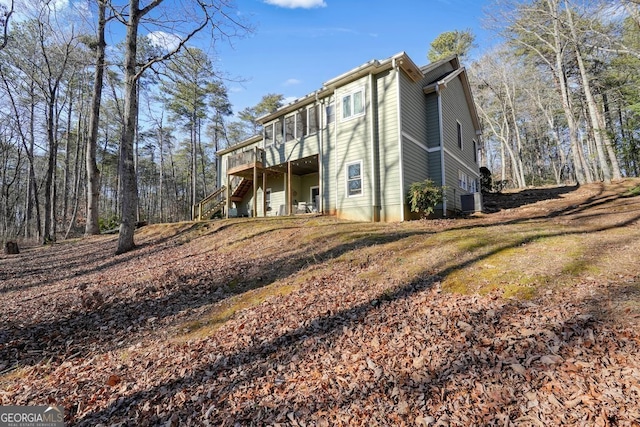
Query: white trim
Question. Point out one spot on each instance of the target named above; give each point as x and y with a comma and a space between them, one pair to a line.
400, 154
311, 196
419, 144
374, 171
442, 150
461, 163
346, 179
350, 94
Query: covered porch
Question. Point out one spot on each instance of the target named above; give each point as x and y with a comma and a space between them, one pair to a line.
289, 188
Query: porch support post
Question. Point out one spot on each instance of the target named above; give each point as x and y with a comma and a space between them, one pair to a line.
289, 195
228, 190
254, 205
264, 194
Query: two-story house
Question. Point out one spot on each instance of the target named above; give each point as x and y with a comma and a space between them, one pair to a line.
353, 147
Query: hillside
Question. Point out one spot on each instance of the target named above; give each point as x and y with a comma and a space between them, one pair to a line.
527, 315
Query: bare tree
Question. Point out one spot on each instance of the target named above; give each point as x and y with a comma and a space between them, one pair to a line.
93, 173
5, 16
214, 15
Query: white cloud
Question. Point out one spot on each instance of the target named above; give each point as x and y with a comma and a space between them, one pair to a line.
292, 82
164, 40
294, 4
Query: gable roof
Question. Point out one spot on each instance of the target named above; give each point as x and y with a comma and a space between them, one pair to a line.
442, 81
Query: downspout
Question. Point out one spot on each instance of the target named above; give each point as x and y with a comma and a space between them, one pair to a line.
320, 157
335, 139
440, 130
375, 215
400, 159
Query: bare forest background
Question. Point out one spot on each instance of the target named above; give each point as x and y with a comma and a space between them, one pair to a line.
96, 137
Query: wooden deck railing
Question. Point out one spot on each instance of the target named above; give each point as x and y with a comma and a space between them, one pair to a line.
210, 205
245, 158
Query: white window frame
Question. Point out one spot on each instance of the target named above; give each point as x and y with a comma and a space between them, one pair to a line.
292, 119
273, 136
351, 114
330, 117
463, 180
317, 119
347, 179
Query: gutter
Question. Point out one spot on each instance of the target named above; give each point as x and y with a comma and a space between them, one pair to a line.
442, 165
375, 178
400, 154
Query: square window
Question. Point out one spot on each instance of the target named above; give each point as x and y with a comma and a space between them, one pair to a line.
354, 179
353, 104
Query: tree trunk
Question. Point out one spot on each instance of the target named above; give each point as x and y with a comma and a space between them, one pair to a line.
129, 190
93, 173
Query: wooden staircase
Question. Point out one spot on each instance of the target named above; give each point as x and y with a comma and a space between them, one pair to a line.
214, 202
210, 205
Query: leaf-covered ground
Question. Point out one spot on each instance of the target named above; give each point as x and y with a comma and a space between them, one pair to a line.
525, 316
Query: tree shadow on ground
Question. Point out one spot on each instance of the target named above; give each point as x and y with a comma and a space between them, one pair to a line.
103, 322
491, 347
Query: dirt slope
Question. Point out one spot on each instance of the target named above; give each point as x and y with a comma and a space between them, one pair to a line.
527, 315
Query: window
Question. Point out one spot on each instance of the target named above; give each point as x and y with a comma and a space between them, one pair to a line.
301, 123
289, 128
459, 135
267, 198
463, 180
331, 113
268, 135
353, 104
475, 151
313, 119
278, 132
473, 186
354, 179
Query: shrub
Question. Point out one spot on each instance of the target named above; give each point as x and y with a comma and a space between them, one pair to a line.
485, 180
109, 223
424, 196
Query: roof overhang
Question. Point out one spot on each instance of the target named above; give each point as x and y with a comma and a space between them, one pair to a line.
375, 66
241, 144
466, 87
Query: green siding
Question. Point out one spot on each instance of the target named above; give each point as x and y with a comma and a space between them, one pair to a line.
354, 144
388, 147
455, 110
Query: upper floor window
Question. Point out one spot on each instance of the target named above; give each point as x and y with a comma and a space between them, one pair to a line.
268, 135
301, 123
289, 128
354, 179
475, 151
331, 113
459, 127
313, 119
277, 130
353, 104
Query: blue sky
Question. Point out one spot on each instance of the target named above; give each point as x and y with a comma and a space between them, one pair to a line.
299, 44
